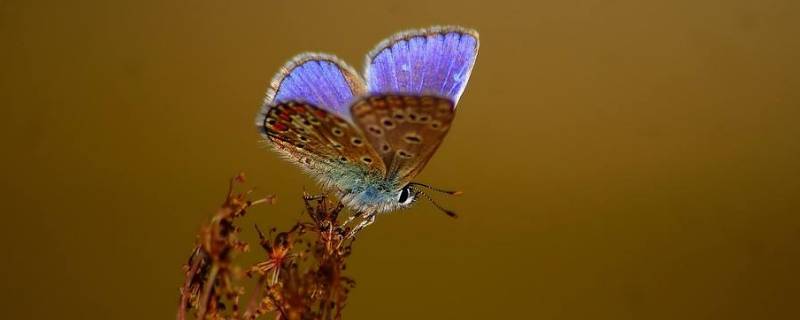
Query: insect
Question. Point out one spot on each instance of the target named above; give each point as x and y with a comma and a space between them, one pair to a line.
365, 139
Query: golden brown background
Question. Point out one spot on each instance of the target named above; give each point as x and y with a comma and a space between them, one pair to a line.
621, 159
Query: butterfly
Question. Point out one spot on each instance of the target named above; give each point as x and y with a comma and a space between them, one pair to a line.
365, 139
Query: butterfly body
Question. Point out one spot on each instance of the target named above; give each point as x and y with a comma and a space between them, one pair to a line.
361, 189
373, 193
366, 142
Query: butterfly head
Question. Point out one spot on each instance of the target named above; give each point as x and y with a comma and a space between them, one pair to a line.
379, 200
407, 196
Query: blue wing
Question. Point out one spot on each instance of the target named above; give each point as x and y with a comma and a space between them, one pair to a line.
318, 79
436, 61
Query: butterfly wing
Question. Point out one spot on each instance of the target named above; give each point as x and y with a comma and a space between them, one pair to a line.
319, 79
435, 61
405, 129
321, 142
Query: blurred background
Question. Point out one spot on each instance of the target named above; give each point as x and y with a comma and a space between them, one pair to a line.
620, 159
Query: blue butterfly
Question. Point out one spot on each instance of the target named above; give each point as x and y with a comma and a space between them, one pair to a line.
367, 141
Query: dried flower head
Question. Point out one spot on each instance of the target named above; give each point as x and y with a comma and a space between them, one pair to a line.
301, 276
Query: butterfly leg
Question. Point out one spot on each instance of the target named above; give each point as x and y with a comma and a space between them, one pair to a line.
349, 219
309, 197
353, 217
368, 220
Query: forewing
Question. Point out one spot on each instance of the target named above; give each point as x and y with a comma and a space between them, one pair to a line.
405, 129
319, 79
435, 61
318, 140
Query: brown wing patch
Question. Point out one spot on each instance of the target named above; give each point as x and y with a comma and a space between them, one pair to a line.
406, 130
317, 138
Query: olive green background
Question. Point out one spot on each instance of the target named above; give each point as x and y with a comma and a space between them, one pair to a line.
620, 159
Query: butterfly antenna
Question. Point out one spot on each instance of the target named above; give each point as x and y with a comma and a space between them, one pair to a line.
447, 212
452, 193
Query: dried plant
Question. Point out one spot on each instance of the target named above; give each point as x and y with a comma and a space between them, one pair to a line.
301, 276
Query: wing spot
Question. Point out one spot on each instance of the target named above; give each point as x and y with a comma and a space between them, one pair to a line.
343, 159
362, 106
303, 138
413, 138
375, 130
388, 123
280, 127
377, 102
337, 132
393, 101
411, 101
436, 125
338, 145
356, 142
424, 118
366, 160
386, 148
404, 154
340, 122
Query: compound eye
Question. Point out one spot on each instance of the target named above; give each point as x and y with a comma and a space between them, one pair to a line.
405, 196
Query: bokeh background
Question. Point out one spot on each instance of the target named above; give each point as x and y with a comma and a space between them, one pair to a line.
620, 159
